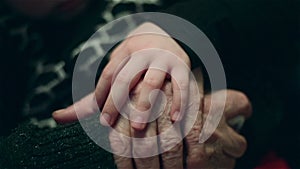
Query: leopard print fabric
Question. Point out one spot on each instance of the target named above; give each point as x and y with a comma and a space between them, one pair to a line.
50, 72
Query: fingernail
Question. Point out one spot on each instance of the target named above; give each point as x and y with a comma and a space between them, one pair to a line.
138, 123
58, 112
105, 119
176, 116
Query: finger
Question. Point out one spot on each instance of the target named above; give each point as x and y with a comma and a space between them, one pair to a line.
83, 108
214, 154
234, 145
170, 139
180, 84
86, 106
126, 79
227, 140
144, 147
120, 142
153, 79
236, 104
196, 156
120, 57
192, 122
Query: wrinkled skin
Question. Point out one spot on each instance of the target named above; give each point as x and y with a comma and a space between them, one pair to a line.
219, 151
225, 145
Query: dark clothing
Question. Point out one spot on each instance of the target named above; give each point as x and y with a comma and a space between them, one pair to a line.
257, 40
258, 43
63, 147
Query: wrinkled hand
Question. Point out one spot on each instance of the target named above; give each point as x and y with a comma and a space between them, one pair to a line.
220, 151
147, 51
225, 145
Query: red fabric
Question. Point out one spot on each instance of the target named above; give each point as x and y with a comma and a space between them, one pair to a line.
272, 161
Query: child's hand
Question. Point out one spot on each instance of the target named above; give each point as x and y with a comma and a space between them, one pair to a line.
148, 51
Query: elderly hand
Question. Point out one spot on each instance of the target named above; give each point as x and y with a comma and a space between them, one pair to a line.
225, 145
219, 151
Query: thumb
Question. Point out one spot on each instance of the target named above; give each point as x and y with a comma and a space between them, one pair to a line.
83, 108
237, 104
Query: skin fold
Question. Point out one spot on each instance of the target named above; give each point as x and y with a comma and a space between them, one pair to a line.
219, 151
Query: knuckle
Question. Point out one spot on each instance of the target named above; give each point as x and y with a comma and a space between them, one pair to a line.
144, 105
107, 73
193, 136
210, 151
119, 144
145, 148
131, 45
170, 142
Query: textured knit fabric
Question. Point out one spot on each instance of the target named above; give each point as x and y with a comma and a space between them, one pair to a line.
63, 147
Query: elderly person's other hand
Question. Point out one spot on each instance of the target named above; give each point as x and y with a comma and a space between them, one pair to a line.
219, 151
225, 145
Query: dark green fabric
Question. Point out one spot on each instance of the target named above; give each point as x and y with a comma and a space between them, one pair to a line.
63, 147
